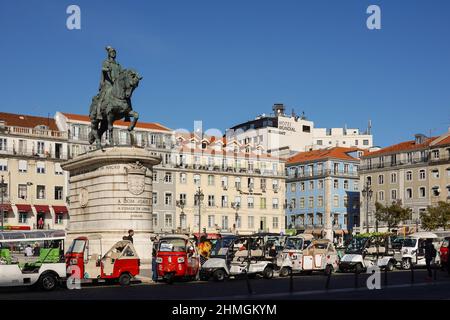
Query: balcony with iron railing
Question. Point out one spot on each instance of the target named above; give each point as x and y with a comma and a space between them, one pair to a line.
442, 159
321, 174
388, 164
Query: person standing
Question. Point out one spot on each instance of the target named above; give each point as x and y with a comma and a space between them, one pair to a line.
154, 263
430, 254
41, 223
36, 250
130, 236
28, 251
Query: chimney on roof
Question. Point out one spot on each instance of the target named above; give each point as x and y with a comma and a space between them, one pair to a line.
420, 138
278, 109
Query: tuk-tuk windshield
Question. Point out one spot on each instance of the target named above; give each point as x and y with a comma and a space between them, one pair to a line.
356, 245
294, 244
319, 245
77, 246
221, 247
410, 242
170, 245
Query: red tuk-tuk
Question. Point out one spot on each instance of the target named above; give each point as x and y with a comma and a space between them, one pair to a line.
177, 258
119, 264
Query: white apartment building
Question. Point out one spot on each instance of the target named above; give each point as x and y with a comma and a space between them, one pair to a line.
283, 135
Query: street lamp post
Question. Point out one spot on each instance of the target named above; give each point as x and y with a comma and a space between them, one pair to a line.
2, 191
367, 194
236, 206
180, 204
199, 196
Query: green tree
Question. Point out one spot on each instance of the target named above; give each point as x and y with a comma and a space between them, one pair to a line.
436, 217
392, 214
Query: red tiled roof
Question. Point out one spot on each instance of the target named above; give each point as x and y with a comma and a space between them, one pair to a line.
333, 153
25, 121
401, 147
142, 125
445, 141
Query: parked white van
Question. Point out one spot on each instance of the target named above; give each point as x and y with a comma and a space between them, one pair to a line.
32, 258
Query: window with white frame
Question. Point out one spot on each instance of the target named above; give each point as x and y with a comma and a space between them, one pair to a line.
336, 184
168, 220
237, 183
40, 147
183, 178
275, 184
422, 175
275, 204
210, 180
293, 187
23, 217
3, 145
197, 179
58, 192
275, 222
211, 201
40, 167
409, 193
435, 173
302, 186
168, 199
393, 177
155, 176
408, 175
211, 221
336, 201
250, 222
311, 185
320, 201
320, 184
155, 220
23, 165
346, 184
381, 195
168, 177
3, 164
58, 170
422, 192
302, 202
224, 182
250, 203
311, 202
224, 222
22, 191
154, 198
393, 194
381, 179
40, 192
224, 201
262, 203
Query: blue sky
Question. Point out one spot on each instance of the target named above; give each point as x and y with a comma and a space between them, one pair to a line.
225, 62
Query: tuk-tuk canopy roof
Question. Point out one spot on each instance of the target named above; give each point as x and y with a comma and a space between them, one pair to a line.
33, 235
423, 235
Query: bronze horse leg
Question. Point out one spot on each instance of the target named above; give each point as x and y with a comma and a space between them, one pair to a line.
135, 117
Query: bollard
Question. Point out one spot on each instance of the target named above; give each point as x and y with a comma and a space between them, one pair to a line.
291, 281
435, 272
249, 287
412, 274
385, 277
356, 279
327, 285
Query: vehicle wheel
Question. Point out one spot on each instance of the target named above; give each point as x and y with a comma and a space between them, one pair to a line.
329, 269
219, 275
390, 266
285, 271
47, 282
268, 272
124, 279
359, 268
406, 264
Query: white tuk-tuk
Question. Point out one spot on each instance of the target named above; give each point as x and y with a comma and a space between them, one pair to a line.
290, 259
413, 250
32, 258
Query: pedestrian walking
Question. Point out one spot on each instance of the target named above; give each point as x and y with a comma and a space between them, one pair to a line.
154, 263
430, 254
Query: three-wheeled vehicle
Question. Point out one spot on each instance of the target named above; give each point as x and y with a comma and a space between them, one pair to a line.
177, 258
320, 255
413, 250
32, 258
290, 259
216, 266
119, 264
246, 255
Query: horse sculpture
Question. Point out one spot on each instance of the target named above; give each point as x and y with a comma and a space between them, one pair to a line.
115, 105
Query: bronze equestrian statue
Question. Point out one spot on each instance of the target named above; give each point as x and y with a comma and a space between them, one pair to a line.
113, 102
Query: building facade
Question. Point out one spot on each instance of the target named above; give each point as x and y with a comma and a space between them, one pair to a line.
242, 192
439, 169
31, 152
400, 172
322, 187
284, 135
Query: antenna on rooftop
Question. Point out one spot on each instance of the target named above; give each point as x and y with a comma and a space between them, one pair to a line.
369, 127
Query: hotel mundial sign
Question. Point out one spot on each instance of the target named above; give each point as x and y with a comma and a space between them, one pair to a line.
286, 125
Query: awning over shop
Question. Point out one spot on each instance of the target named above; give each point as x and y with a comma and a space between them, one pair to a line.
6, 207
23, 207
208, 235
60, 209
42, 208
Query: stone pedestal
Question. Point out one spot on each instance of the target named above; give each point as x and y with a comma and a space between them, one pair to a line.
110, 192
